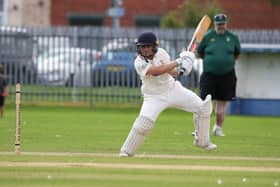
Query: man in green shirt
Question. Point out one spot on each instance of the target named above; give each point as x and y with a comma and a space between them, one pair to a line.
219, 49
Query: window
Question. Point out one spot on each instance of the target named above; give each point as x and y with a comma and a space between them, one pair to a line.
147, 21
85, 19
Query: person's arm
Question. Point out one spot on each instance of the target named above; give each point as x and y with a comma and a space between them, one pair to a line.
237, 51
200, 50
185, 62
202, 45
237, 48
161, 69
174, 72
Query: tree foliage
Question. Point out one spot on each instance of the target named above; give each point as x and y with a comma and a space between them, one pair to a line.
188, 14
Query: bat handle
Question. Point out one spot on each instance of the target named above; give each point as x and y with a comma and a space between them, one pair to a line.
193, 47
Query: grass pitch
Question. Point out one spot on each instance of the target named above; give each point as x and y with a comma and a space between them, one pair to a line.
78, 146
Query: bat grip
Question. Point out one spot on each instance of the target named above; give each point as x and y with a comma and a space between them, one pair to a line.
193, 47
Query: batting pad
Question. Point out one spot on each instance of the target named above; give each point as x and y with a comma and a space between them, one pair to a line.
141, 127
202, 123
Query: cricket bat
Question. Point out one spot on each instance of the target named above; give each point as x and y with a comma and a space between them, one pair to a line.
199, 32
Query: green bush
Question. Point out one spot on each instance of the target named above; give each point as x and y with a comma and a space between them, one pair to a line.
189, 13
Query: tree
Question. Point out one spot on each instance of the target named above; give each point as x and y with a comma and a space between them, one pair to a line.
189, 13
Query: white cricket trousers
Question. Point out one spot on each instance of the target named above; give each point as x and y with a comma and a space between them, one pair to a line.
178, 97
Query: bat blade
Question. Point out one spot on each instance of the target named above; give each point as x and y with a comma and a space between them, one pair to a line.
199, 32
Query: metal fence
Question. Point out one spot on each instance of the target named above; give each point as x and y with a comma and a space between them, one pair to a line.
89, 65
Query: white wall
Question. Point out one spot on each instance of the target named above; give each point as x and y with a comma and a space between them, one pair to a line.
258, 75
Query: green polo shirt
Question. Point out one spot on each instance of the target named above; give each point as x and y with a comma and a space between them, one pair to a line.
219, 51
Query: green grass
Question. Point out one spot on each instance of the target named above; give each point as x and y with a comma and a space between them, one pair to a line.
252, 142
127, 178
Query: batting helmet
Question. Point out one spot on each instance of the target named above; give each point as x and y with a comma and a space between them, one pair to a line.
147, 38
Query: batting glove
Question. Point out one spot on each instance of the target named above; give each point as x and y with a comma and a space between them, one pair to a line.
185, 62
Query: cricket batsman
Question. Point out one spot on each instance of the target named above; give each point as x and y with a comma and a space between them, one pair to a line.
161, 91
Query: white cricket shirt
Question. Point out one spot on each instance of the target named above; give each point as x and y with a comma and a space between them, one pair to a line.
154, 84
